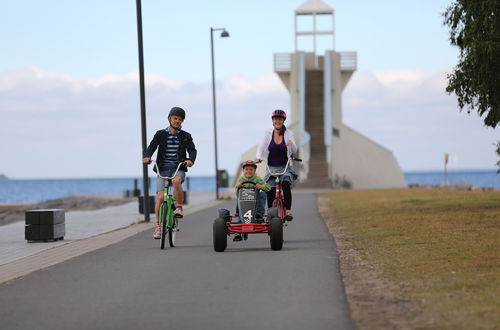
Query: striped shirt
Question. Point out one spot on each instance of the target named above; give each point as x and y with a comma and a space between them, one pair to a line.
170, 159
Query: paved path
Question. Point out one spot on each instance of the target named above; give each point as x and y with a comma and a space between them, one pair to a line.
84, 233
133, 284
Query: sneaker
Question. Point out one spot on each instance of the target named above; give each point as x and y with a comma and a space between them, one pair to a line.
288, 216
178, 213
237, 238
157, 233
258, 217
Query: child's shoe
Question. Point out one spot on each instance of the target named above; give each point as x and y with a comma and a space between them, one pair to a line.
157, 232
178, 213
237, 238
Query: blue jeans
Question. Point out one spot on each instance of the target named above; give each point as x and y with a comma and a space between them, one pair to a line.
168, 171
261, 202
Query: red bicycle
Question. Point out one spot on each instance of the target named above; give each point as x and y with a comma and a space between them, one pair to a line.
278, 206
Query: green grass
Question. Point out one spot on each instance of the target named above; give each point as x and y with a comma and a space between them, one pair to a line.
442, 246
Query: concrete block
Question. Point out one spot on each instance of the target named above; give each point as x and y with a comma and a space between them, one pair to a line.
50, 232
45, 224
32, 232
45, 216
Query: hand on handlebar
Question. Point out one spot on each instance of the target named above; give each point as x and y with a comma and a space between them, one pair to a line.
146, 160
188, 163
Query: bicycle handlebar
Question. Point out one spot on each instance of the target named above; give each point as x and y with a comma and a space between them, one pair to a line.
286, 167
166, 177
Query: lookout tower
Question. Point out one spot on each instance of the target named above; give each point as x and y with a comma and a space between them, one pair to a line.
334, 155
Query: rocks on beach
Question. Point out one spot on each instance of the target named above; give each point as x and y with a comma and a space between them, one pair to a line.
15, 212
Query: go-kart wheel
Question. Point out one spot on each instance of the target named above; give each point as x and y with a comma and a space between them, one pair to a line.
220, 237
276, 236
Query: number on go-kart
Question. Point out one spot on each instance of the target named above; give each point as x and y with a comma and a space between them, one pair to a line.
248, 215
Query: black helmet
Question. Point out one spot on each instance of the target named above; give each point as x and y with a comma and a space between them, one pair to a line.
177, 111
279, 113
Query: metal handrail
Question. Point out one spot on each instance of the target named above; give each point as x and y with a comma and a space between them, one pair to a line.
348, 60
282, 62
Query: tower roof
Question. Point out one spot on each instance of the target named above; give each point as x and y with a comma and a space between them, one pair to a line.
317, 7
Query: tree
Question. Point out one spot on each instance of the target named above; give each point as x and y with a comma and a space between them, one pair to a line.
498, 152
475, 30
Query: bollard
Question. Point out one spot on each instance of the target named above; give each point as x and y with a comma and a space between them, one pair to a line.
136, 191
151, 204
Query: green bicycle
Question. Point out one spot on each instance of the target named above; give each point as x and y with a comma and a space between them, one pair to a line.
168, 223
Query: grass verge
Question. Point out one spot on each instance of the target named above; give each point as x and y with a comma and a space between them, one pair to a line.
441, 246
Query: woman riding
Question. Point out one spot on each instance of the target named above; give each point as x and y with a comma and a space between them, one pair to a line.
277, 146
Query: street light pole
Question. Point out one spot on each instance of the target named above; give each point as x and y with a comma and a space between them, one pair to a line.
143, 112
223, 34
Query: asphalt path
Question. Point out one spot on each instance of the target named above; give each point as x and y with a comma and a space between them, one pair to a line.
135, 285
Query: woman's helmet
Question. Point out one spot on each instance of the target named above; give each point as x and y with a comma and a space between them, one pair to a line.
249, 163
279, 113
176, 111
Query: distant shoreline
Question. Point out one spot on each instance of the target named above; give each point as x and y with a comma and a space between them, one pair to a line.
37, 190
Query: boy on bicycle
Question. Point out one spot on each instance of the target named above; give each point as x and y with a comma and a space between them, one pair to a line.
249, 168
174, 146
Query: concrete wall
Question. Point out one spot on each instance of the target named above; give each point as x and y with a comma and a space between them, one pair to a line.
363, 163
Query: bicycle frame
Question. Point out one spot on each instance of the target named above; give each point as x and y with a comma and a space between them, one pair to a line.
167, 220
278, 196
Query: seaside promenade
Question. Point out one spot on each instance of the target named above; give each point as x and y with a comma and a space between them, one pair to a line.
85, 231
121, 279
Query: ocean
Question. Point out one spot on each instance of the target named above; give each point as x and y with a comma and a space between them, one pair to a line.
38, 190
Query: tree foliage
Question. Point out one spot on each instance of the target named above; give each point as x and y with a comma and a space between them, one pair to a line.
498, 152
475, 30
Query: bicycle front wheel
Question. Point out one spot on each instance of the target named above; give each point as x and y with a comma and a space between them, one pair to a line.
278, 203
163, 222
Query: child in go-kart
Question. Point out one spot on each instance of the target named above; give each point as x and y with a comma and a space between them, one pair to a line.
249, 168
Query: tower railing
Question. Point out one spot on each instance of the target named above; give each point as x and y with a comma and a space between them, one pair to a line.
282, 62
348, 61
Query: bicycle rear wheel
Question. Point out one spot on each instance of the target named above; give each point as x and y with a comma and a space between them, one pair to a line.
172, 231
163, 224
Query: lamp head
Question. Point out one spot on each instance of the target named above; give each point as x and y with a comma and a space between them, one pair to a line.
224, 34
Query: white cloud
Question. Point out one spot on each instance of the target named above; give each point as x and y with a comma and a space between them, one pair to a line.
410, 113
54, 125
149, 80
84, 128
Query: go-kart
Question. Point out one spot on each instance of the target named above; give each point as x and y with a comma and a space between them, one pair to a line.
244, 221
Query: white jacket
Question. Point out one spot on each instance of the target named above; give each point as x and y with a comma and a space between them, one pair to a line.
263, 148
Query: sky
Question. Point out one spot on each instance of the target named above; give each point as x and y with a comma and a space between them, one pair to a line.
69, 88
